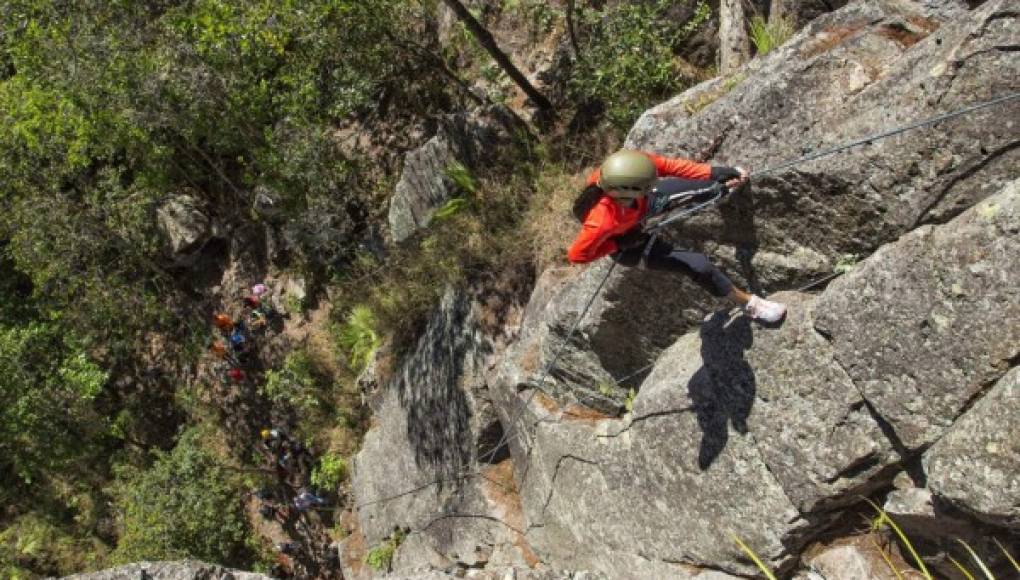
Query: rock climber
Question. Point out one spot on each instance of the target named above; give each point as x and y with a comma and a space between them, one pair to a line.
307, 500
618, 193
223, 322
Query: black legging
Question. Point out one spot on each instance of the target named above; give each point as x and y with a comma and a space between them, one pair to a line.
662, 256
695, 265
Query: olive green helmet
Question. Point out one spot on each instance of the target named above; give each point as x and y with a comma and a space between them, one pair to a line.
627, 174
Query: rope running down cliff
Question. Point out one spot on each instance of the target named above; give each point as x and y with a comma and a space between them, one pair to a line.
786, 164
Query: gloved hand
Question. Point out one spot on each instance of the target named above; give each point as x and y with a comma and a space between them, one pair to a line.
631, 239
731, 177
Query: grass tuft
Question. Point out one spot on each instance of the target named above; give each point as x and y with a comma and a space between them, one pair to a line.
1008, 555
883, 518
769, 34
754, 558
984, 569
358, 336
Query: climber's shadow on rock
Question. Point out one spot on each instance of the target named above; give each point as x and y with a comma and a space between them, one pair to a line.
722, 390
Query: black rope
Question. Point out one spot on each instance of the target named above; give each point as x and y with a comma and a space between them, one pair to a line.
810, 157
879, 136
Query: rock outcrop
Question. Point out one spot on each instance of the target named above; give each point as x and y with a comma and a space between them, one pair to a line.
643, 439
183, 570
426, 182
185, 225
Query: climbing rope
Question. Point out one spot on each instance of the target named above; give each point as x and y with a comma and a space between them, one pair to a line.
683, 214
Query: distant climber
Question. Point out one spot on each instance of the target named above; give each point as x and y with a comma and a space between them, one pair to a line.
307, 500
223, 322
616, 201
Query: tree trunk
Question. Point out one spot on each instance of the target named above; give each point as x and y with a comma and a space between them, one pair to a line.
734, 47
485, 38
779, 10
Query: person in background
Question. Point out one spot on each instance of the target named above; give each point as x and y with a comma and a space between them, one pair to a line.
619, 191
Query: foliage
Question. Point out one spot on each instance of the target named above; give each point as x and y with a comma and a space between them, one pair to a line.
461, 177
34, 544
846, 263
628, 403
184, 506
380, 557
295, 384
767, 34
358, 336
628, 56
331, 472
47, 415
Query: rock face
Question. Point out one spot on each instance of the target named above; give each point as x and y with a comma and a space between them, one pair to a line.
657, 431
930, 321
185, 225
975, 465
426, 184
418, 467
183, 570
864, 69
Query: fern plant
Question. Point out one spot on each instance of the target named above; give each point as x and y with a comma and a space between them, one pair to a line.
358, 336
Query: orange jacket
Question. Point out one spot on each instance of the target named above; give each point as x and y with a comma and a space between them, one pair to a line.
607, 219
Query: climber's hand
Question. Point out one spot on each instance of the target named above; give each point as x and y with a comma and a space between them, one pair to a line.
737, 182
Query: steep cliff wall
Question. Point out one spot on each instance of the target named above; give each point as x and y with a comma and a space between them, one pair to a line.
891, 374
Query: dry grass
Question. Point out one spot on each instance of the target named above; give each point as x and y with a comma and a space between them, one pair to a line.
549, 225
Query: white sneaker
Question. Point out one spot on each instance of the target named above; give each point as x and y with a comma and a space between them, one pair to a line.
765, 310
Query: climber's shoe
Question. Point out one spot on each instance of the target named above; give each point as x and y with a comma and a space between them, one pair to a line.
764, 310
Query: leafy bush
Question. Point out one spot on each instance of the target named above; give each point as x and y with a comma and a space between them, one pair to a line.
46, 404
331, 471
380, 557
185, 506
628, 60
769, 34
32, 545
295, 384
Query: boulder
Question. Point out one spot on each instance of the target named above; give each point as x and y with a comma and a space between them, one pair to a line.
925, 324
182, 570
185, 225
974, 466
851, 559
425, 184
738, 428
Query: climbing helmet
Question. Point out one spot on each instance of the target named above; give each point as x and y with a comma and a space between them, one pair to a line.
627, 174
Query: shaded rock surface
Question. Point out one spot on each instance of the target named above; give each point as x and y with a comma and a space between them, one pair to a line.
425, 183
182, 570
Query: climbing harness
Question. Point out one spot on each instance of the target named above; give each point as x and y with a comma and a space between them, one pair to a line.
717, 191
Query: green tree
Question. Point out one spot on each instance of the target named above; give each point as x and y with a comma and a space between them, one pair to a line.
185, 506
